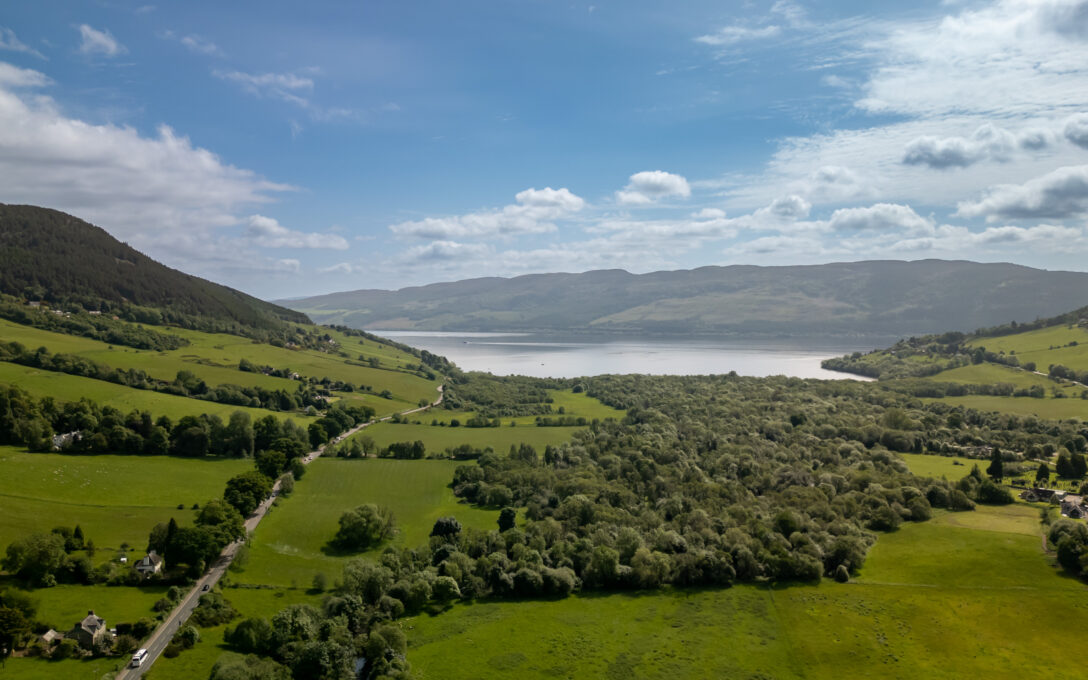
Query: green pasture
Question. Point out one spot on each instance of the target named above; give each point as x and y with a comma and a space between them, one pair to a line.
1050, 408
64, 387
249, 602
214, 357
229, 350
161, 365
115, 499
577, 405
289, 546
1032, 341
63, 606
1036, 346
937, 600
939, 467
989, 374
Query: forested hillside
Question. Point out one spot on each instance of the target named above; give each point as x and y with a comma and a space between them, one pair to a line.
843, 299
51, 256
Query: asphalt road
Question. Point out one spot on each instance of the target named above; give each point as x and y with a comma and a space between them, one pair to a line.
181, 613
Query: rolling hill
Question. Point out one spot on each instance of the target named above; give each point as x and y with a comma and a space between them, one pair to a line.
856, 298
49, 255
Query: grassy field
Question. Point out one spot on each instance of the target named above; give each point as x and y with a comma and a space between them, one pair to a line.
230, 349
930, 602
214, 357
115, 499
289, 546
64, 387
1055, 409
989, 374
161, 365
1045, 346
198, 661
939, 467
438, 439
63, 606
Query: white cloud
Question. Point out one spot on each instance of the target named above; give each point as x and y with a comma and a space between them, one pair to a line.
161, 193
534, 213
289, 87
290, 265
8, 41
883, 218
709, 214
987, 142
1076, 130
340, 268
769, 245
13, 76
649, 186
99, 42
446, 251
200, 45
268, 233
1060, 194
729, 35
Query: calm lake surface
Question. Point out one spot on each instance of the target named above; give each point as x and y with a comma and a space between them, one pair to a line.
553, 356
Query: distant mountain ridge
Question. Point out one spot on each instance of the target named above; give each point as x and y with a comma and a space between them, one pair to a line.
880, 297
50, 255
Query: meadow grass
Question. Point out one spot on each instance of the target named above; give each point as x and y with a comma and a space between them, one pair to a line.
1053, 409
290, 546
64, 387
229, 350
935, 600
249, 602
114, 499
163, 365
938, 467
214, 357
61, 607
437, 439
989, 374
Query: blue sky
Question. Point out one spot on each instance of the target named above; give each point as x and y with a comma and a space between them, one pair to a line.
291, 151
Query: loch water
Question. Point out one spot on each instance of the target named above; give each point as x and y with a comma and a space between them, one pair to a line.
559, 356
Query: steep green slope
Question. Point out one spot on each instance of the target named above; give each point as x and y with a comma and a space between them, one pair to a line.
49, 255
878, 297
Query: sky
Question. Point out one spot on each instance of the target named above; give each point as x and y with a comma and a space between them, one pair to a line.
291, 149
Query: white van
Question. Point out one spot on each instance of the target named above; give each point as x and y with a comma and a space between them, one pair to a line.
138, 658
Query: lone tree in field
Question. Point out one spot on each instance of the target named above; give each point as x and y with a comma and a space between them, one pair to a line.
507, 518
1042, 475
446, 527
364, 527
997, 467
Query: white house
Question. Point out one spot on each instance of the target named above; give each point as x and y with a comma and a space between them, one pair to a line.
150, 564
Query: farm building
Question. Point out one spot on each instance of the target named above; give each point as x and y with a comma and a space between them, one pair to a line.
150, 564
88, 631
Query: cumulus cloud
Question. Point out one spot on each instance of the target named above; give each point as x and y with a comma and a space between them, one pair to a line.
9, 42
882, 217
161, 193
268, 233
13, 76
534, 213
1076, 130
99, 42
987, 142
1061, 194
651, 185
446, 251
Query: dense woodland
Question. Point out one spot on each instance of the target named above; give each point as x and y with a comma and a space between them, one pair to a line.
709, 481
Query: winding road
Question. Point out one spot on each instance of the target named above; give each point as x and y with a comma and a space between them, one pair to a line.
181, 613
